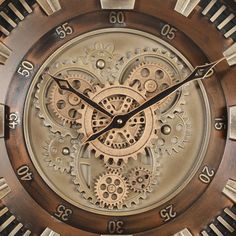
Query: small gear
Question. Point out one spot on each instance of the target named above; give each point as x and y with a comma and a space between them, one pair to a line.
175, 132
111, 190
65, 104
128, 141
58, 151
140, 180
102, 58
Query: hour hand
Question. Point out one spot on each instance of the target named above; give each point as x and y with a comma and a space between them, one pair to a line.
65, 85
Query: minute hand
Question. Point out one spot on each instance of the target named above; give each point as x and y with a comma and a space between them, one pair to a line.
200, 72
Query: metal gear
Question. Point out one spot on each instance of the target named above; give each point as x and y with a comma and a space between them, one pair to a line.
142, 65
123, 143
111, 190
174, 133
46, 112
140, 180
153, 78
65, 104
58, 153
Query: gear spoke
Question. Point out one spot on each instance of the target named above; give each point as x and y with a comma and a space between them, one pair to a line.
107, 104
130, 139
127, 104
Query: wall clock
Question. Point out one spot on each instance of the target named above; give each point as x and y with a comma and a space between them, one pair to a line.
117, 117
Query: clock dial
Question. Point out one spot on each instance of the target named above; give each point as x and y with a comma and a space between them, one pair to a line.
109, 126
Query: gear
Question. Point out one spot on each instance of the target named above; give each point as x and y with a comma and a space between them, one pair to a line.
102, 58
111, 190
153, 70
59, 109
65, 104
46, 112
153, 78
140, 180
123, 143
58, 151
175, 132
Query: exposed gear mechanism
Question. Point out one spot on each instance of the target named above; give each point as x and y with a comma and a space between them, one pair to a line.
111, 190
154, 78
128, 141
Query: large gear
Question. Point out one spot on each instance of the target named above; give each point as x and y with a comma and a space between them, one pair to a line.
123, 143
141, 180
154, 70
58, 153
59, 109
65, 104
153, 78
111, 190
175, 132
45, 109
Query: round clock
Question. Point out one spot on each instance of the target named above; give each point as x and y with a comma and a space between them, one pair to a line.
117, 117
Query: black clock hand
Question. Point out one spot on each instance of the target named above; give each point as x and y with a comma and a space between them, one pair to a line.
119, 121
65, 85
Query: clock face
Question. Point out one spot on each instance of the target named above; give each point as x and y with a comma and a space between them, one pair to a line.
117, 118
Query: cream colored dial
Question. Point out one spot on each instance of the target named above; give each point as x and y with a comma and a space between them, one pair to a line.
130, 170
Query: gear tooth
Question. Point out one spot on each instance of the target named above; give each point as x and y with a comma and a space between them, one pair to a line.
106, 159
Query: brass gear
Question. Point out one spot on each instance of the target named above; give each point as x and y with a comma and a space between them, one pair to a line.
154, 78
58, 152
140, 180
46, 112
162, 61
111, 190
65, 104
124, 143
